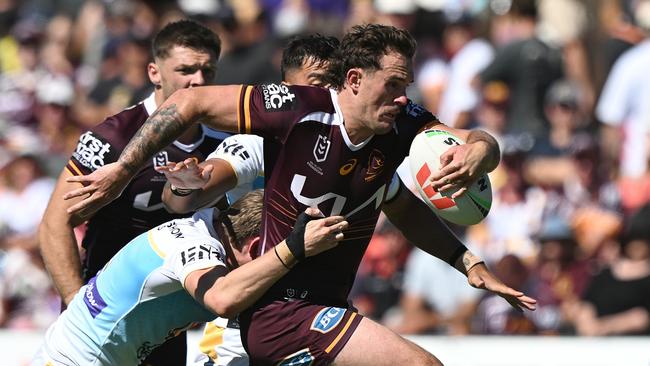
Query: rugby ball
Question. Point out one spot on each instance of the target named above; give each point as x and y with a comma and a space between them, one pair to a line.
468, 209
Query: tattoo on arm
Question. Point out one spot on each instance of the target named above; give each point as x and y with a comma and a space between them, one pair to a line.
160, 129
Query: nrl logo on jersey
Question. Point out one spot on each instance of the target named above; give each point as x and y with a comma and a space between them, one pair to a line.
277, 97
160, 159
321, 148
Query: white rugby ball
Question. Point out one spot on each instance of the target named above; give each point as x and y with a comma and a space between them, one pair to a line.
468, 209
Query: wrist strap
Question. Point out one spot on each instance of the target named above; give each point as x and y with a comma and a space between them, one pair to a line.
474, 265
275, 249
296, 239
182, 192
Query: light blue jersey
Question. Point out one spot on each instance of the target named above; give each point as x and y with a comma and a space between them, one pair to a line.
137, 301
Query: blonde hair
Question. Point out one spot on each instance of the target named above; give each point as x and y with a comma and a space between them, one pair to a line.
243, 218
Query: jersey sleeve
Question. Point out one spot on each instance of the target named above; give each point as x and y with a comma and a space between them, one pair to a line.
188, 244
411, 121
196, 254
272, 110
95, 148
245, 155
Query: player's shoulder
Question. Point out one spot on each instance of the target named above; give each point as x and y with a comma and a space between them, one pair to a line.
123, 125
282, 97
179, 234
415, 113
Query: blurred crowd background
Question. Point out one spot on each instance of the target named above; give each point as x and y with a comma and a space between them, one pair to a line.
563, 84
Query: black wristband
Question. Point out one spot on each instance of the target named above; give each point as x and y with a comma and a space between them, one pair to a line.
275, 249
457, 253
181, 192
296, 239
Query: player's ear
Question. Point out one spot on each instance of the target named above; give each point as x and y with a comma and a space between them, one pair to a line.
353, 79
253, 250
153, 70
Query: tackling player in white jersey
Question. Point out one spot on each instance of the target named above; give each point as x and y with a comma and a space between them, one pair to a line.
173, 277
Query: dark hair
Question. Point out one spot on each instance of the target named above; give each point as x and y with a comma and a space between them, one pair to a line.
185, 33
524, 8
317, 47
364, 46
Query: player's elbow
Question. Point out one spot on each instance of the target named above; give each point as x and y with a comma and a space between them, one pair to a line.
225, 307
184, 103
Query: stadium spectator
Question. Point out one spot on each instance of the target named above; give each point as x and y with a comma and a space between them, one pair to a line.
559, 277
446, 85
185, 55
617, 300
528, 66
435, 298
623, 111
26, 294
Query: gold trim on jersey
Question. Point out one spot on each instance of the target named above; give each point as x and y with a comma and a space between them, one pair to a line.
247, 109
338, 337
155, 246
74, 167
241, 87
212, 337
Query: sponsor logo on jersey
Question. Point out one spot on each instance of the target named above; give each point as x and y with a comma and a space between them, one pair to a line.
91, 151
174, 230
321, 148
347, 167
327, 319
200, 252
298, 183
415, 110
234, 148
375, 165
93, 299
277, 97
160, 159
302, 357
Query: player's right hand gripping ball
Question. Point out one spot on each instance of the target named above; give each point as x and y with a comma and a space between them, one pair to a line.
468, 209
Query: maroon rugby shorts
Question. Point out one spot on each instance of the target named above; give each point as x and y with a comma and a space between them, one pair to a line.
297, 333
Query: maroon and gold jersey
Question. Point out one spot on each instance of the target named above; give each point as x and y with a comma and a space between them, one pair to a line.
139, 208
310, 161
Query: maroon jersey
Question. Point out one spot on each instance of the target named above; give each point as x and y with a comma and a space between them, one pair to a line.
139, 208
312, 162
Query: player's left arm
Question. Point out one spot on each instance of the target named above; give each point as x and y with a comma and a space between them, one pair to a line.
229, 294
461, 165
419, 224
